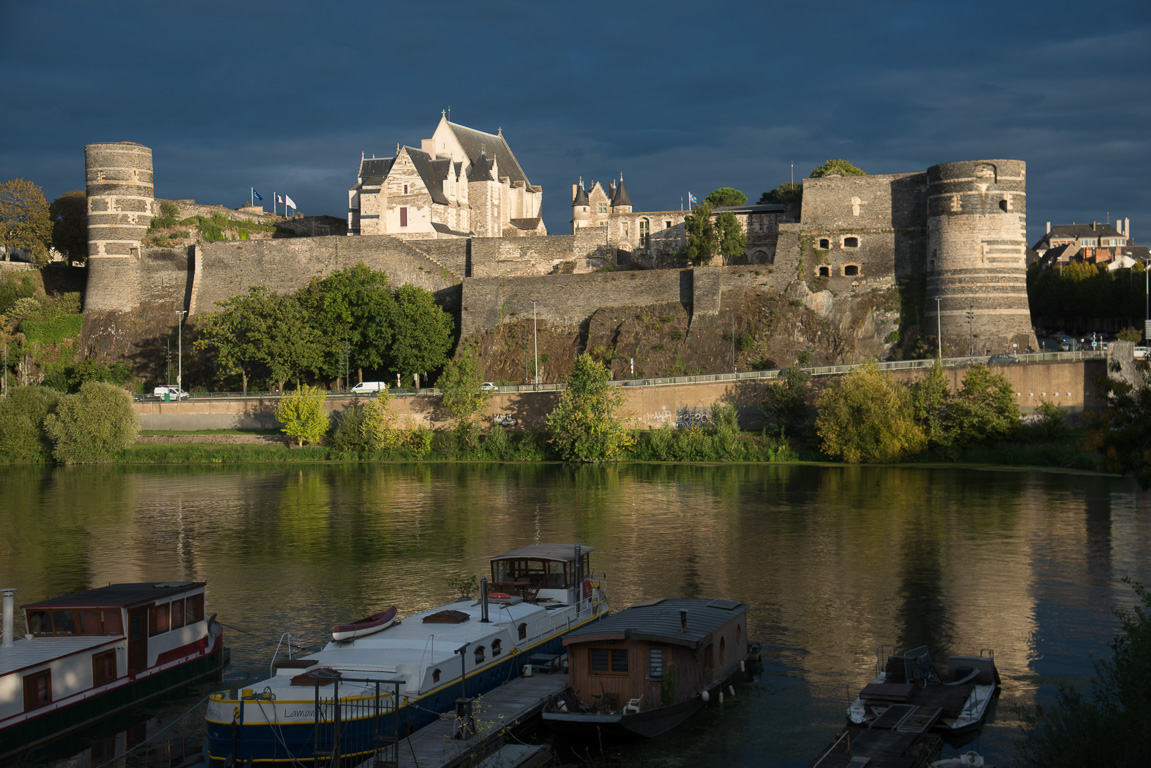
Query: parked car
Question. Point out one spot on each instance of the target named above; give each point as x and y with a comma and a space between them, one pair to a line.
1002, 360
369, 387
488, 386
169, 393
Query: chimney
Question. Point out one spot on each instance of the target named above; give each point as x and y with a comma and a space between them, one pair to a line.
428, 146
9, 617
1127, 229
1049, 227
573, 192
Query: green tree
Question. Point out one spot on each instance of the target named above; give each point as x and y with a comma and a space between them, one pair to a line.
302, 414
588, 424
1109, 726
459, 386
787, 192
710, 235
69, 214
984, 409
22, 413
92, 425
726, 196
378, 428
866, 416
1121, 431
837, 168
930, 400
785, 405
353, 305
422, 332
25, 223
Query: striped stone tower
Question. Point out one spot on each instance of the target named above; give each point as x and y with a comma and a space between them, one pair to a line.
121, 204
976, 257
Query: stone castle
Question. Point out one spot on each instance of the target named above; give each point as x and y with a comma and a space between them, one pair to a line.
459, 218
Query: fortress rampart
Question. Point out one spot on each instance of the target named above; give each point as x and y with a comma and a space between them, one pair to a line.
957, 228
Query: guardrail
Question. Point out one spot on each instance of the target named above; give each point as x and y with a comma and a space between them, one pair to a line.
657, 381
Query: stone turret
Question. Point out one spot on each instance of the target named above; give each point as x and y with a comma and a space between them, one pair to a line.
581, 207
976, 256
620, 201
121, 204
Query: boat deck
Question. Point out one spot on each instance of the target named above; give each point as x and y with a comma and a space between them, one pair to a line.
434, 746
25, 653
949, 699
879, 748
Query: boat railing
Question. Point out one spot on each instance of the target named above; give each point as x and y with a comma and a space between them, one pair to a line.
272, 664
356, 726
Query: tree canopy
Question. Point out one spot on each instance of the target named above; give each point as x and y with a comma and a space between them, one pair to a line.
710, 235
726, 196
866, 416
459, 386
69, 214
588, 424
353, 305
25, 223
787, 192
837, 168
422, 332
92, 425
303, 416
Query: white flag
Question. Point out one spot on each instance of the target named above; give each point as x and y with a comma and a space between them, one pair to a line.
288, 201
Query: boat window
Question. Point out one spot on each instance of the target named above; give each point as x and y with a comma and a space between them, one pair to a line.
37, 689
722, 650
479, 654
655, 662
495, 648
523, 631
103, 667
40, 622
112, 623
65, 622
177, 614
738, 633
435, 675
708, 652
90, 623
609, 661
157, 619
194, 609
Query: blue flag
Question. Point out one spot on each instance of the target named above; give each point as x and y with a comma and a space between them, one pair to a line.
256, 194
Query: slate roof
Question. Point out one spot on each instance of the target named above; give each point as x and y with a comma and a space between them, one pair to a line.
475, 143
374, 170
481, 169
528, 225
446, 230
621, 196
432, 172
120, 594
1080, 231
581, 196
659, 621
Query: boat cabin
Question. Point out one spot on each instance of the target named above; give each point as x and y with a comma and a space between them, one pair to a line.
551, 574
656, 654
86, 640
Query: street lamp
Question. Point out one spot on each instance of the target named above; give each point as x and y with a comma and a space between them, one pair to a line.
535, 347
180, 352
938, 330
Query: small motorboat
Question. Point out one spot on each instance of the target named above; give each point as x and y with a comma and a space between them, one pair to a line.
365, 626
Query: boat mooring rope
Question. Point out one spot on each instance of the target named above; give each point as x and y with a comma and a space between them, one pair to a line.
125, 753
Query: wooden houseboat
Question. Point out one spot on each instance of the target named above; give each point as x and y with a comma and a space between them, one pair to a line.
646, 669
91, 654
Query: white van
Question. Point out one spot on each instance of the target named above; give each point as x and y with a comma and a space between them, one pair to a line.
369, 387
169, 393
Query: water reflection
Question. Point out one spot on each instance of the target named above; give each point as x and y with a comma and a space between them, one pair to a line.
835, 561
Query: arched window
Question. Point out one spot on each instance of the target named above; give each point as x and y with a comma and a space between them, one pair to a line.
825, 271
644, 233
1004, 205
479, 654
495, 648
824, 244
851, 270
851, 242
435, 675
523, 631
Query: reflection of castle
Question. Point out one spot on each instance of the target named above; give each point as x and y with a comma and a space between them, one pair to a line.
459, 183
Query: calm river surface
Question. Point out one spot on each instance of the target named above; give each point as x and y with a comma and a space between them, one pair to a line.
834, 561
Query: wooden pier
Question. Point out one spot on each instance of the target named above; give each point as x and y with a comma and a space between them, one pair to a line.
498, 710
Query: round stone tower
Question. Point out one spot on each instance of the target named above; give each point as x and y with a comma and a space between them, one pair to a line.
581, 208
976, 257
121, 202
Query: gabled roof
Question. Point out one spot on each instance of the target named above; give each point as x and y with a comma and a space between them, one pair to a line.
475, 143
660, 621
481, 169
432, 172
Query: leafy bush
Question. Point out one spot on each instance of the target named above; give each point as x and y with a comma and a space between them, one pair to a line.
22, 413
92, 425
15, 286
303, 416
347, 438
54, 331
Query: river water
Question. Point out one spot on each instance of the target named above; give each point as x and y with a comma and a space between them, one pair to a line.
834, 561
